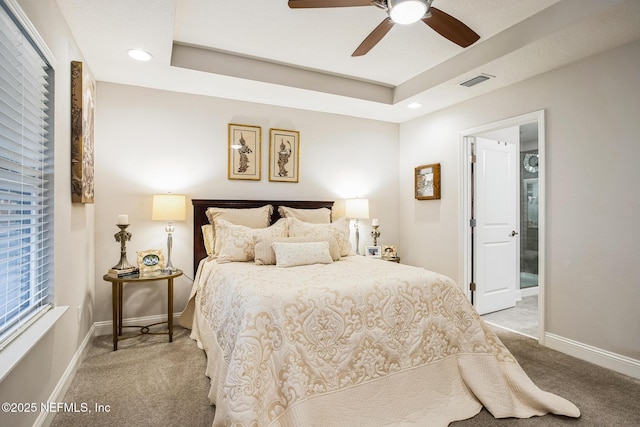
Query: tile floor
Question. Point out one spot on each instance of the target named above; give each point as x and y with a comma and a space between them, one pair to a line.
522, 318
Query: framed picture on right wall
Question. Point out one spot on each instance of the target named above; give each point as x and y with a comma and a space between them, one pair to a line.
427, 182
284, 155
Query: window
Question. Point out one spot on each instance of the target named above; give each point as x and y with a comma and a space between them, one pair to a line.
26, 172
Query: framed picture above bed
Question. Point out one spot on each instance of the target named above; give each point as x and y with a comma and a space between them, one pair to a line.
427, 182
284, 155
244, 152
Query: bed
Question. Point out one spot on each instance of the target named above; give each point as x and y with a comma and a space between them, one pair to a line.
347, 342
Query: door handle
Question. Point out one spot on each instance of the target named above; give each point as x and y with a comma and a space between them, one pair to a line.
513, 233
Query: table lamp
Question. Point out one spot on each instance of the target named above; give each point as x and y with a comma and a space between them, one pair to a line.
357, 209
169, 207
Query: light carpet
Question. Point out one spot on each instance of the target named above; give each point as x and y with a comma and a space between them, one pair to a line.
150, 382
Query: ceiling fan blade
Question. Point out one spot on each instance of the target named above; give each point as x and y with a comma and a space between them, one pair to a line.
450, 28
303, 4
373, 38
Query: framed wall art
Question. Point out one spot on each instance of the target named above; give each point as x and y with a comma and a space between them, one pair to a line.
284, 155
427, 182
83, 90
244, 152
150, 261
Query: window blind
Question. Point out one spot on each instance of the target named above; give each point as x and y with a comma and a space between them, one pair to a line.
26, 171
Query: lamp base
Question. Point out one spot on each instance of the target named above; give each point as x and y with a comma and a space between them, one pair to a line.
169, 268
357, 227
375, 233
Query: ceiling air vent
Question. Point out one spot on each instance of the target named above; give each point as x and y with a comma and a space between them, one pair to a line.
476, 80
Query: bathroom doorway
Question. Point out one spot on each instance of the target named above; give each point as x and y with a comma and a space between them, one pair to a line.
527, 132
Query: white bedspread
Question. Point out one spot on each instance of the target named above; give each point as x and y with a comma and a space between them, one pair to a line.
357, 342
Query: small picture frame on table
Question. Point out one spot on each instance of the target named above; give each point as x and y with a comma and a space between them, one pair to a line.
372, 251
389, 251
150, 261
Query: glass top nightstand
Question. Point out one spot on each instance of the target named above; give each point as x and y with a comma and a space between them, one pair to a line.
116, 296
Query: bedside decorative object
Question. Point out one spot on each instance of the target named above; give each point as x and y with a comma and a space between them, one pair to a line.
372, 251
375, 233
244, 152
357, 209
150, 261
427, 182
122, 236
389, 251
284, 155
169, 207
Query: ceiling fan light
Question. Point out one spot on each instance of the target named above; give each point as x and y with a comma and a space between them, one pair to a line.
406, 11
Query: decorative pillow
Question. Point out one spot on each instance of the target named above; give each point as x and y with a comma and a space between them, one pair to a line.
264, 254
314, 216
207, 237
249, 217
236, 241
338, 230
303, 253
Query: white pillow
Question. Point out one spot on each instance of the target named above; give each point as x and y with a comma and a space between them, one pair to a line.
249, 217
207, 238
338, 230
236, 241
264, 254
314, 216
303, 253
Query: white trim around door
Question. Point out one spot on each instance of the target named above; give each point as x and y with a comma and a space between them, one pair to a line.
465, 261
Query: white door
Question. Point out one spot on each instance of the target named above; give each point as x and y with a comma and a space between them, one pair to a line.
495, 239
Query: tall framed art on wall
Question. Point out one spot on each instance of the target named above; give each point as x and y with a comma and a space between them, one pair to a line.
284, 155
83, 90
244, 152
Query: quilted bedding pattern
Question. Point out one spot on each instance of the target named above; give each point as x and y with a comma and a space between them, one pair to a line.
357, 342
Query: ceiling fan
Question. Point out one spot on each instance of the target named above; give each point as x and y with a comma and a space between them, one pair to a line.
401, 12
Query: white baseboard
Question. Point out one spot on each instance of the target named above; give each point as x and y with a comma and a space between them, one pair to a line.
106, 327
527, 292
615, 362
46, 417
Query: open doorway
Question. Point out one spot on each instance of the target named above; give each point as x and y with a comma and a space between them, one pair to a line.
527, 285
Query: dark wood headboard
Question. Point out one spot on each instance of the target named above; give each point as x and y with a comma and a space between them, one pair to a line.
200, 217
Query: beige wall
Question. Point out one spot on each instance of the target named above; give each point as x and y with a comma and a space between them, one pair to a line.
35, 378
150, 141
592, 128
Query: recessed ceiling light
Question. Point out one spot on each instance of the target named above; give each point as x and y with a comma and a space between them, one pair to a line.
414, 105
139, 55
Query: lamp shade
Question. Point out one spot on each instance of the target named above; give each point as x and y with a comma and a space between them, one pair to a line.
356, 208
169, 207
